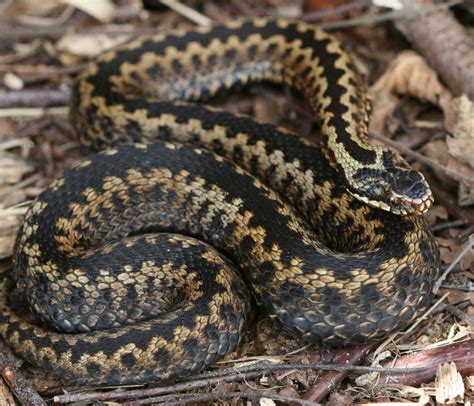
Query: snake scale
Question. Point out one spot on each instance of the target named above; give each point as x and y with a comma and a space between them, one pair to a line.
139, 263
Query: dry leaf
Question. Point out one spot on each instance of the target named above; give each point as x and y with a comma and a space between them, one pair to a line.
23, 8
408, 74
436, 213
450, 248
449, 385
102, 10
459, 120
89, 45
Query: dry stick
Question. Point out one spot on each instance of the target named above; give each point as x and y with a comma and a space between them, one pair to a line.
462, 354
34, 112
391, 15
423, 159
463, 316
33, 98
448, 224
188, 12
224, 375
9, 32
140, 393
445, 45
183, 399
346, 356
264, 367
31, 74
23, 391
469, 245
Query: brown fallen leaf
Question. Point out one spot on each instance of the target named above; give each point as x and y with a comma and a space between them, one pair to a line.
408, 74
459, 120
21, 8
101, 10
436, 213
450, 248
86, 45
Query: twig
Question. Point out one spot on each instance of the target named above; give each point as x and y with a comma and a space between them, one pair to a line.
33, 98
9, 32
448, 224
224, 375
34, 111
140, 393
469, 320
423, 159
388, 16
188, 12
32, 74
462, 354
18, 56
469, 245
183, 399
346, 356
23, 391
266, 367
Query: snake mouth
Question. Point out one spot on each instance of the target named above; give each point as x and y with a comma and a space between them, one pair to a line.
399, 204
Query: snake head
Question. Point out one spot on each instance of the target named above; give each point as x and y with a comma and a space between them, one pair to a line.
396, 187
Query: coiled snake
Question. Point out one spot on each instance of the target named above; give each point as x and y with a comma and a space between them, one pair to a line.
131, 257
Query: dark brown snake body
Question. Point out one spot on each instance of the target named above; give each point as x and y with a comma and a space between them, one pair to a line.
117, 252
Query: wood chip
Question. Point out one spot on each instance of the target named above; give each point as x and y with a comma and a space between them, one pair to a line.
449, 385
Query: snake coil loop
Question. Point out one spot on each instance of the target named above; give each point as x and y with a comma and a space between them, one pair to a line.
144, 252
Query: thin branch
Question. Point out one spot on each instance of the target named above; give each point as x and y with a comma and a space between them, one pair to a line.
33, 112
448, 224
140, 393
183, 399
266, 367
32, 74
388, 16
33, 98
188, 12
20, 387
346, 356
